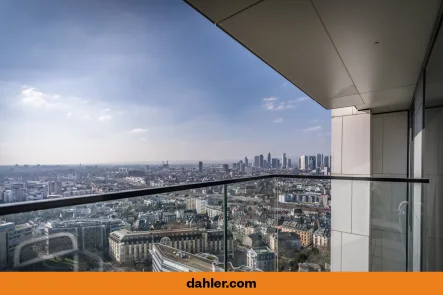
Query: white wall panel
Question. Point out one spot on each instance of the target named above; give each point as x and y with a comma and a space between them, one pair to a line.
341, 198
356, 253
356, 146
360, 207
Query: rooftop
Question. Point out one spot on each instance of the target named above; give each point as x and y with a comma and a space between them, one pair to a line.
322, 232
188, 259
21, 226
126, 234
245, 268
287, 236
262, 250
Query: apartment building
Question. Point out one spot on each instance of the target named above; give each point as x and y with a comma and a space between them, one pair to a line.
213, 210
190, 204
200, 205
90, 233
262, 258
11, 235
285, 241
322, 238
305, 231
127, 246
168, 217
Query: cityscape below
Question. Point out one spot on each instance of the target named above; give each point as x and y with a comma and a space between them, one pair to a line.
275, 224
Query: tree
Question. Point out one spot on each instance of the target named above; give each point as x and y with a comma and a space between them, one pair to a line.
315, 251
303, 258
157, 225
296, 260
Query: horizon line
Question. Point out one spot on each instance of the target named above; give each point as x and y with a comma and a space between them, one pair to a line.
222, 161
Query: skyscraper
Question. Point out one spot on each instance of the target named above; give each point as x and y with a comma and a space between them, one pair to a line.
274, 163
318, 161
200, 166
269, 160
289, 163
304, 162
284, 161
261, 161
257, 161
326, 161
246, 161
312, 161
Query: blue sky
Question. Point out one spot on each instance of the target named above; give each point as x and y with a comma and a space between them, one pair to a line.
115, 81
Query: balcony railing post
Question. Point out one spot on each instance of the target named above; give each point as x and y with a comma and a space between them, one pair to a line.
225, 223
277, 192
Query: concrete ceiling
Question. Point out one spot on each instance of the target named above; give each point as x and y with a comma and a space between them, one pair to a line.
362, 53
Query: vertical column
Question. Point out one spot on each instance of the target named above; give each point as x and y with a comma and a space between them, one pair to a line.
351, 156
417, 201
225, 224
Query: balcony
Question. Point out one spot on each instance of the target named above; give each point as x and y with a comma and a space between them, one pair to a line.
274, 223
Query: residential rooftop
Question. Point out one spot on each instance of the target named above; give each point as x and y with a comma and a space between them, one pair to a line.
262, 250
185, 258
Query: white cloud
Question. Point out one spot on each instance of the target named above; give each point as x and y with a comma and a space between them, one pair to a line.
143, 139
301, 99
314, 128
284, 84
104, 118
74, 107
315, 121
274, 104
278, 120
139, 130
35, 98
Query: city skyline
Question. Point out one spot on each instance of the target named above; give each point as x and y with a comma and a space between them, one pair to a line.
229, 161
107, 82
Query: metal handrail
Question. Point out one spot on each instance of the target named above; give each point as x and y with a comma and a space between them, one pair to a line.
21, 207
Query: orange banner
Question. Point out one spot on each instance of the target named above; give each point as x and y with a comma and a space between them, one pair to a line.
219, 283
